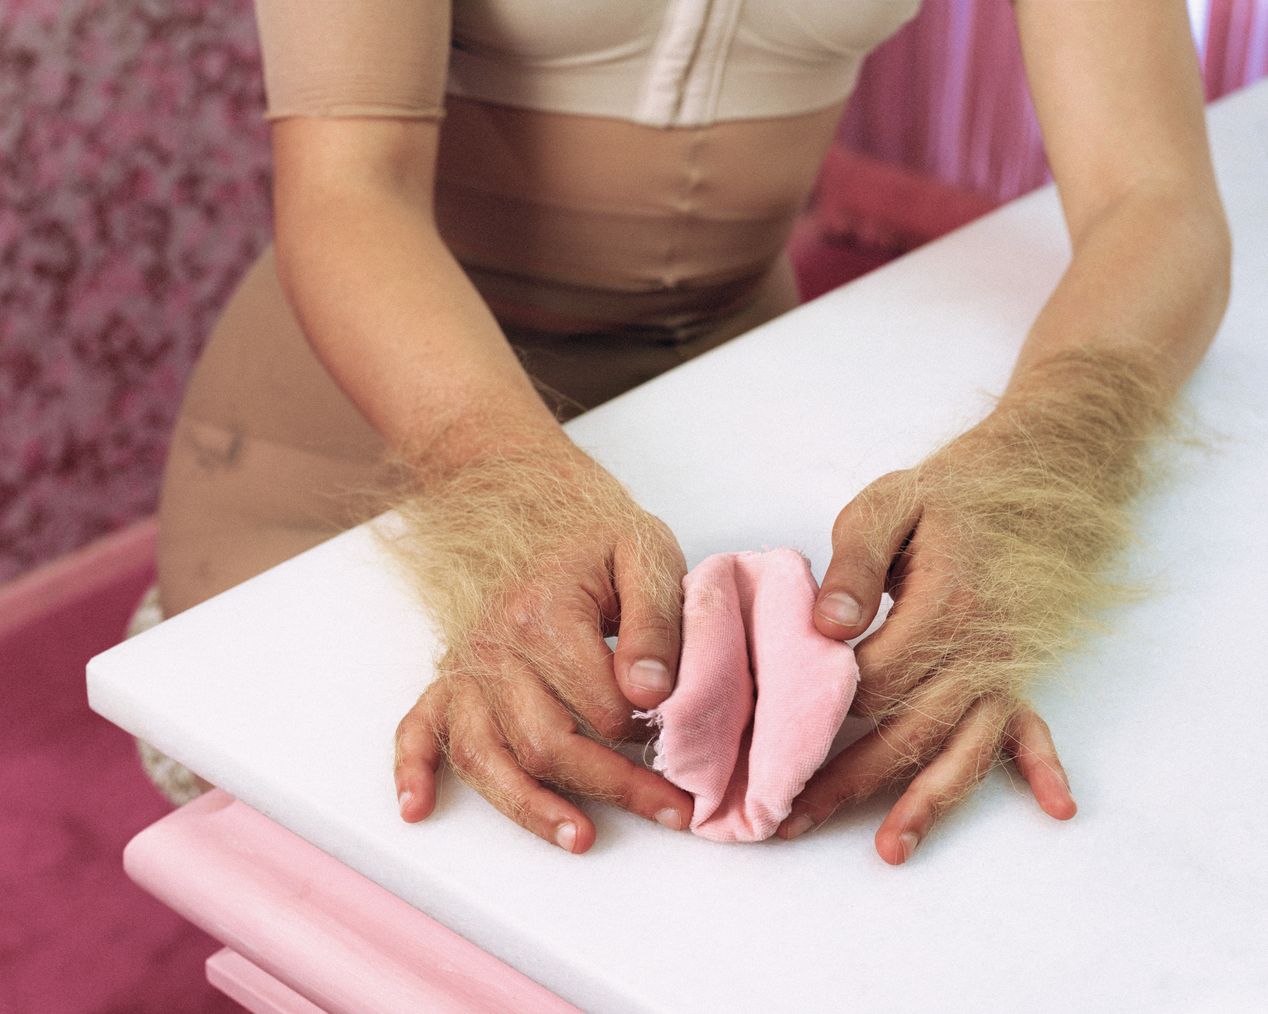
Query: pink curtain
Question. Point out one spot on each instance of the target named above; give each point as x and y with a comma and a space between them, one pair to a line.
1236, 45
947, 95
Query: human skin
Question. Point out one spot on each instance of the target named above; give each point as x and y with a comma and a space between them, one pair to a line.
1119, 99
1117, 93
399, 327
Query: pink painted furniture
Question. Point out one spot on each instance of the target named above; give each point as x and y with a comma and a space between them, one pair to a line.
303, 932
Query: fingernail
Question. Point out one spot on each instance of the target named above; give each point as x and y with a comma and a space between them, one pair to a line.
566, 835
403, 800
842, 609
670, 818
908, 840
799, 825
650, 674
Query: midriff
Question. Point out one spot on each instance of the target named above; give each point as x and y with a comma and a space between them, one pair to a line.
573, 224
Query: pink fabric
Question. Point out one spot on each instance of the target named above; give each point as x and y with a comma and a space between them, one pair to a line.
760, 693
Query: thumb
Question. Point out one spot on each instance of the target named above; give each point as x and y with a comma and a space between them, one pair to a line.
866, 536
648, 578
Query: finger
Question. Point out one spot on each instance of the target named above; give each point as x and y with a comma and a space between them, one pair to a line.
881, 757
481, 758
419, 752
916, 638
581, 765
648, 571
545, 741
866, 536
1029, 742
968, 754
562, 645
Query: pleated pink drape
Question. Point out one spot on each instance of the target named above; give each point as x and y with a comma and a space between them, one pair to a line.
1236, 50
947, 95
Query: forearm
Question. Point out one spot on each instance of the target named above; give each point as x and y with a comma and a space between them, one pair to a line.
1148, 282
1025, 512
399, 326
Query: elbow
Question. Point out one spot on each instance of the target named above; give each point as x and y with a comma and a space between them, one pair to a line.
1192, 225
1222, 258
1213, 241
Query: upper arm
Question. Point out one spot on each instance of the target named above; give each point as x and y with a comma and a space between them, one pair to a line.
355, 93
1119, 96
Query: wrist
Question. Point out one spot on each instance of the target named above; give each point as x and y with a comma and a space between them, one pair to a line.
484, 426
1086, 396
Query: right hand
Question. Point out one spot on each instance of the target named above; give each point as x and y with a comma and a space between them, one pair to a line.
528, 562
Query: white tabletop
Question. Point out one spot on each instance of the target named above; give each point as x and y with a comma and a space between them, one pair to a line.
286, 689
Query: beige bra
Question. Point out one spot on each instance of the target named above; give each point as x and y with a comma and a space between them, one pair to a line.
558, 187
663, 63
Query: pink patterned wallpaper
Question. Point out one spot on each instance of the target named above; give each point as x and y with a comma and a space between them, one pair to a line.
134, 178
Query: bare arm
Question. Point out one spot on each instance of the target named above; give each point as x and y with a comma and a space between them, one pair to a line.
386, 307
1119, 97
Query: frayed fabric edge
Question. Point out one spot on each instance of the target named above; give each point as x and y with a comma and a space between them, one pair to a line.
656, 720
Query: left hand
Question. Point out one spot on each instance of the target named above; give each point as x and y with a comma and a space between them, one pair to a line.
940, 675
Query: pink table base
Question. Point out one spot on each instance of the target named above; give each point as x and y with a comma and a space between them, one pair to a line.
306, 934
253, 987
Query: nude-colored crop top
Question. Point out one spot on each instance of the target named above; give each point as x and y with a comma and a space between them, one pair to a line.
663, 63
558, 187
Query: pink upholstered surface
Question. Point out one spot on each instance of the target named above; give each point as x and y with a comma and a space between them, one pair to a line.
75, 936
339, 940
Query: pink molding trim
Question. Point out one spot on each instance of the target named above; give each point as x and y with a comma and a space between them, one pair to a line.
123, 557
306, 919
253, 987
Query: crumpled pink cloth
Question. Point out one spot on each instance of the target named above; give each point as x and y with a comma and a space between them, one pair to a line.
760, 693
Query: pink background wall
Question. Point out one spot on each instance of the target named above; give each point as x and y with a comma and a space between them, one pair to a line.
134, 190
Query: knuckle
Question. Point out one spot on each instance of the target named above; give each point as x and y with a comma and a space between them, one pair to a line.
410, 740
1030, 716
536, 755
621, 794
650, 628
911, 742
611, 723
406, 729
524, 607
878, 695
514, 802
871, 568
464, 755
868, 703
657, 527
951, 794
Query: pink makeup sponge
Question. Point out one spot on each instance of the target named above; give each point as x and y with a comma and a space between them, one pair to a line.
760, 693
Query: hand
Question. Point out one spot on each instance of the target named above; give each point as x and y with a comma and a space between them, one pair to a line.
974, 547
528, 560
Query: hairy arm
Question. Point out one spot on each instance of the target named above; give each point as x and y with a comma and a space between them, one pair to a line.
996, 547
525, 551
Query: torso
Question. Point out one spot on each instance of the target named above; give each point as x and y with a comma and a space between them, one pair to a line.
578, 223
614, 235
